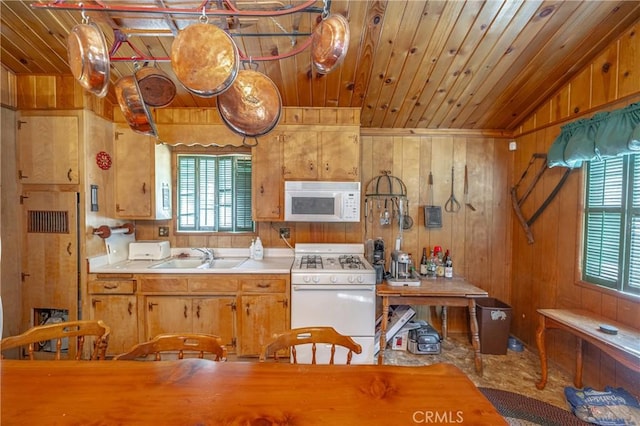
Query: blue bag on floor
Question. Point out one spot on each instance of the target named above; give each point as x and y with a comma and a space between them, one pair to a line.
611, 407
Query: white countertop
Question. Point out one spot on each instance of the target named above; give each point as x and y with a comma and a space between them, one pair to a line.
275, 261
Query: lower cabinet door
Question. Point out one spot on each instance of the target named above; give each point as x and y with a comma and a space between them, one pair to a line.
167, 314
259, 317
216, 315
120, 313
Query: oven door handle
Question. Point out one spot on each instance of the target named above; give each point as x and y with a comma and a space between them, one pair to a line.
333, 287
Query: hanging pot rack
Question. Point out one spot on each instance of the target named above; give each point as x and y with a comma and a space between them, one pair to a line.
205, 10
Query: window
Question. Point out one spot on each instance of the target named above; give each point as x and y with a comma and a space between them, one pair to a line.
214, 193
611, 253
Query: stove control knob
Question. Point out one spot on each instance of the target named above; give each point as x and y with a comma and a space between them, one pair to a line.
360, 278
351, 278
306, 278
333, 279
316, 279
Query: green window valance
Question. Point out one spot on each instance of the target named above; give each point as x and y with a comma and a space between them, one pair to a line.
606, 134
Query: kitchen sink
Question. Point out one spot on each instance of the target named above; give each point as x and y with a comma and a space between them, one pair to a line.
200, 263
182, 264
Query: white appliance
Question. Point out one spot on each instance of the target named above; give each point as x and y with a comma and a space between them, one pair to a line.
149, 250
321, 201
334, 285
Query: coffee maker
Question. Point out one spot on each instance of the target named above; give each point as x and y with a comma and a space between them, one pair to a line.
378, 259
400, 268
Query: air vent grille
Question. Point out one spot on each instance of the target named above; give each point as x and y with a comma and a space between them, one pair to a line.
48, 222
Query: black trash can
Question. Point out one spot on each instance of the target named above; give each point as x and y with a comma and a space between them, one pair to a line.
494, 321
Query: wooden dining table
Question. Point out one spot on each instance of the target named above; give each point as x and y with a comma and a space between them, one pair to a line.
203, 392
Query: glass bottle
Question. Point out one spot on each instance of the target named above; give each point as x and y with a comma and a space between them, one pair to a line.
424, 263
448, 265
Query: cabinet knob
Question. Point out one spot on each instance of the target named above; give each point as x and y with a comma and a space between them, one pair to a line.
198, 311
151, 305
247, 309
94, 302
264, 285
130, 308
69, 175
185, 311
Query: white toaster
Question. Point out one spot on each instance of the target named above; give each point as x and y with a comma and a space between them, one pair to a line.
149, 250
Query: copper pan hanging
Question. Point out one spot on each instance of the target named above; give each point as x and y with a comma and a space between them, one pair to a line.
133, 108
156, 88
329, 43
205, 59
88, 56
252, 105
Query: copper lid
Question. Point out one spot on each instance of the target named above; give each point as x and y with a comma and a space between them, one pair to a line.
205, 59
89, 58
329, 43
252, 105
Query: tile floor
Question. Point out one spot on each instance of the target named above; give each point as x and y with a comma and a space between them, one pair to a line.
515, 372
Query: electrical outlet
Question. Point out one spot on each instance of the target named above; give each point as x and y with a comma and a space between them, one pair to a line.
163, 231
285, 233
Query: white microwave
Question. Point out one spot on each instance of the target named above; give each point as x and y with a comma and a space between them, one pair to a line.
321, 201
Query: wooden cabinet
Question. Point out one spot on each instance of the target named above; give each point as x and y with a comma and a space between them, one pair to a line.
300, 156
321, 155
263, 311
142, 176
189, 314
267, 191
114, 302
340, 156
48, 149
49, 255
245, 310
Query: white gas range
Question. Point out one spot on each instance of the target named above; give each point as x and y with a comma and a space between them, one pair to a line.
334, 285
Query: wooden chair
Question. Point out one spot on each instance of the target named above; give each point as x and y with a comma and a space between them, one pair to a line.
313, 335
181, 343
59, 331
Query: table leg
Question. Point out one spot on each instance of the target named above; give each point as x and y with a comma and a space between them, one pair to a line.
578, 379
475, 336
444, 322
383, 329
540, 341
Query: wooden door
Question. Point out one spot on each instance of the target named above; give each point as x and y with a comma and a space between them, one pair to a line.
300, 156
50, 254
48, 150
267, 179
216, 315
167, 314
259, 317
134, 183
340, 156
120, 313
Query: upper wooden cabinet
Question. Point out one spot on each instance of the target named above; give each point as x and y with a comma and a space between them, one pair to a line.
321, 155
267, 202
142, 176
301, 153
48, 149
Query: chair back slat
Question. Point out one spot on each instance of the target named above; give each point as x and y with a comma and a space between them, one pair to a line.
309, 335
190, 343
71, 330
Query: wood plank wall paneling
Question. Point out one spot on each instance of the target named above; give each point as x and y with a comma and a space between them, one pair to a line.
478, 240
545, 274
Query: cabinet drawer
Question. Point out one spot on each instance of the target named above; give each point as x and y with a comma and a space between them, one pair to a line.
264, 285
112, 287
163, 284
213, 284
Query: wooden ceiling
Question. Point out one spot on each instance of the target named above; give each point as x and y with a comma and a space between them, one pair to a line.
410, 64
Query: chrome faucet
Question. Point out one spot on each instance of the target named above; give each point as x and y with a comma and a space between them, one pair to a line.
208, 253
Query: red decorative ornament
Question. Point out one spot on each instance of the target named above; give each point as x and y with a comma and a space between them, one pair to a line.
103, 160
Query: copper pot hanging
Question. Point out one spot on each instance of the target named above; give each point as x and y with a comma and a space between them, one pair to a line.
133, 108
252, 105
329, 43
156, 88
205, 59
89, 57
